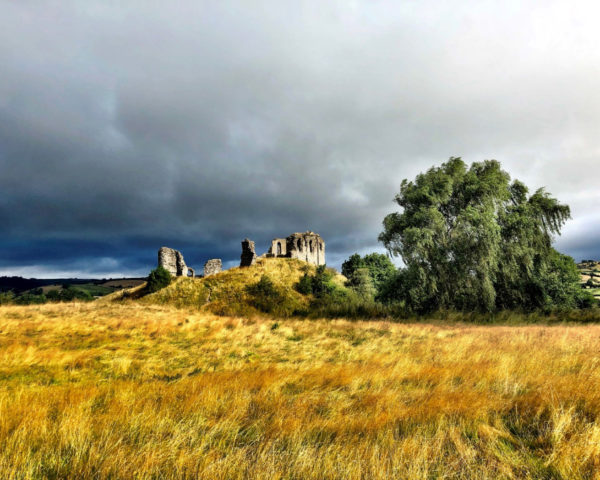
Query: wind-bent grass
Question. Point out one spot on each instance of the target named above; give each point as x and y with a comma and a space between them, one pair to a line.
131, 391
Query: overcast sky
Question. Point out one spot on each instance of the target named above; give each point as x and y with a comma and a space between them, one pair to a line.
194, 124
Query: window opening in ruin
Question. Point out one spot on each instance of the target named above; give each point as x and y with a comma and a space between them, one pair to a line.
278, 248
321, 246
299, 245
311, 246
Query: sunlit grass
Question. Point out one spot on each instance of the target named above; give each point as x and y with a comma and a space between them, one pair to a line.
140, 391
227, 292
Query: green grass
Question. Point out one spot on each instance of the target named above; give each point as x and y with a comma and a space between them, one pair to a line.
94, 290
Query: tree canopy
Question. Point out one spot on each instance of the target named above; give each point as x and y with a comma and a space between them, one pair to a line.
379, 267
472, 239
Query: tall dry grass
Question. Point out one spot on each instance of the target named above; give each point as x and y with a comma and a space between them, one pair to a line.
129, 391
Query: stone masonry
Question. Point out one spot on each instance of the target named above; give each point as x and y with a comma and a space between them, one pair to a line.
248, 256
212, 267
307, 246
173, 261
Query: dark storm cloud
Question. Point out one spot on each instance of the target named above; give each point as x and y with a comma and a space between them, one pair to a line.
124, 128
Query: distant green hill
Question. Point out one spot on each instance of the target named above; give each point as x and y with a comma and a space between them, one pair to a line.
96, 287
590, 276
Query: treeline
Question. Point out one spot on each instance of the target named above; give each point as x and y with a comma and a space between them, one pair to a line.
36, 296
20, 284
372, 291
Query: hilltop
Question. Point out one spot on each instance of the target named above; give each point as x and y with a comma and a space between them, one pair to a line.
227, 292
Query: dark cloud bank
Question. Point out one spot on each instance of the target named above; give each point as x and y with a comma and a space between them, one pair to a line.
124, 128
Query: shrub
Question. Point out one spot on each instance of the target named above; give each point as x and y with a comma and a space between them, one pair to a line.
7, 297
585, 300
71, 293
304, 285
331, 300
269, 298
68, 294
159, 278
321, 282
394, 289
83, 295
346, 303
361, 282
53, 295
379, 267
30, 299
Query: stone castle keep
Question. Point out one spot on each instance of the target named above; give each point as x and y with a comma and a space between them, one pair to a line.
308, 247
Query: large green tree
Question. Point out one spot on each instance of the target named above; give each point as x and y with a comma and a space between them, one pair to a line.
472, 239
379, 267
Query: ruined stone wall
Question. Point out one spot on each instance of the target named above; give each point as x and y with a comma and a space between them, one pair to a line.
172, 260
248, 256
278, 248
308, 247
212, 267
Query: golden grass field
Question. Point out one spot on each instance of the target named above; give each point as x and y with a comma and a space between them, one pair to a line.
124, 390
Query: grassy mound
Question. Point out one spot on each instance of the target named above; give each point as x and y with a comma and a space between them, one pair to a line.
227, 293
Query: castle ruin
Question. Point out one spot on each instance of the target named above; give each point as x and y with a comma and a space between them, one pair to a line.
212, 267
308, 247
248, 256
172, 260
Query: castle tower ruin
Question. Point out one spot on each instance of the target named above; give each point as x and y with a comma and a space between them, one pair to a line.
172, 260
248, 256
308, 247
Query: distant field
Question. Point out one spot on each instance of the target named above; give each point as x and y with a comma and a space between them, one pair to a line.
105, 390
98, 289
591, 270
123, 283
94, 290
